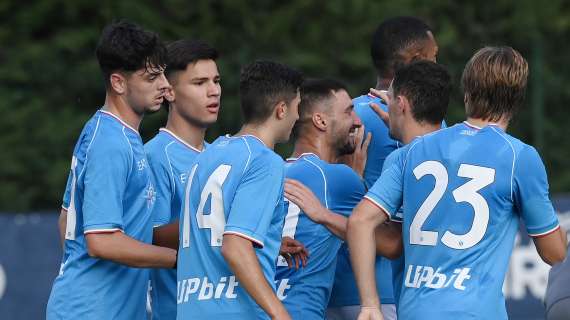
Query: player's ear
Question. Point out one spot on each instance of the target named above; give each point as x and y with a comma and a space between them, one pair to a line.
281, 110
403, 104
320, 121
118, 82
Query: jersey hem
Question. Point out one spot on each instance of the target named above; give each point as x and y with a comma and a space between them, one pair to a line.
109, 230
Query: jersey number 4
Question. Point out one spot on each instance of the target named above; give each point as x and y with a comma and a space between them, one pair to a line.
468, 192
216, 220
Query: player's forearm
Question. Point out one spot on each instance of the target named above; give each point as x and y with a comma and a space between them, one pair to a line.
62, 224
240, 256
120, 248
166, 235
361, 242
336, 223
389, 240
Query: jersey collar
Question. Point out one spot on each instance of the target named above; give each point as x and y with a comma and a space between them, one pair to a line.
114, 116
306, 154
177, 138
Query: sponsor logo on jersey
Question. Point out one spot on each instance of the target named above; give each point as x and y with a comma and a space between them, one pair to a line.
205, 289
426, 276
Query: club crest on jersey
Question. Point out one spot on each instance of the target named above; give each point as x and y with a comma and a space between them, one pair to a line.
150, 196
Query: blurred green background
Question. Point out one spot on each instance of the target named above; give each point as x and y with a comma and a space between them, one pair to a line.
50, 83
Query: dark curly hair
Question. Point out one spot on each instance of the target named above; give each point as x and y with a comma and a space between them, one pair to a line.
124, 46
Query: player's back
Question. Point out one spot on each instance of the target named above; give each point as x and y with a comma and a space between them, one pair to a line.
170, 159
462, 193
339, 189
109, 189
235, 187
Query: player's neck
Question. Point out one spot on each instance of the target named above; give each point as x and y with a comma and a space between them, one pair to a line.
309, 144
261, 131
190, 133
418, 130
382, 83
119, 107
503, 124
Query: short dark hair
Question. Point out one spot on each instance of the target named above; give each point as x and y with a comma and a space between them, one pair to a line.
494, 82
262, 85
314, 91
391, 37
427, 86
181, 53
124, 46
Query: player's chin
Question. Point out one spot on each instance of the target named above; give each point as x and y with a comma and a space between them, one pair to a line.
153, 107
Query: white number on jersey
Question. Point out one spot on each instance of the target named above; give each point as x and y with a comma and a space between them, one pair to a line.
71, 212
480, 178
289, 227
216, 219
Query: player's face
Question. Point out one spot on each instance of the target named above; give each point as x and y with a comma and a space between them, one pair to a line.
396, 118
290, 118
145, 89
197, 93
344, 123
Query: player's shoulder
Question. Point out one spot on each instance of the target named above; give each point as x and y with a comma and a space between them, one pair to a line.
157, 144
108, 135
246, 149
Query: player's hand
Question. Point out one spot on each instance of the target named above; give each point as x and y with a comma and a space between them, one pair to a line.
370, 313
294, 252
303, 197
383, 95
357, 160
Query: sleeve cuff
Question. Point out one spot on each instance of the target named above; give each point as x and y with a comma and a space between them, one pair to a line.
545, 233
244, 234
102, 228
384, 211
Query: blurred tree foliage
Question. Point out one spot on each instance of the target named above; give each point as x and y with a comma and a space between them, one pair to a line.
50, 83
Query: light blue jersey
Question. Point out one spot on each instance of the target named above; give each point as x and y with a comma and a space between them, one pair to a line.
235, 187
463, 190
109, 190
345, 292
306, 291
170, 159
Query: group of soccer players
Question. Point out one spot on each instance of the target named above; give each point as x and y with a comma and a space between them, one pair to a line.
377, 199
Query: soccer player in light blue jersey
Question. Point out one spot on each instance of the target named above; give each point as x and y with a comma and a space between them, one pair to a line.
463, 190
395, 43
233, 213
193, 102
109, 196
326, 130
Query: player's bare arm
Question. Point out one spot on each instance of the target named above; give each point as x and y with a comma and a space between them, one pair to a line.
62, 224
362, 224
166, 235
240, 256
552, 247
120, 248
302, 196
389, 241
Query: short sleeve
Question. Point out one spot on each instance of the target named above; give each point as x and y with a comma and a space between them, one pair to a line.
164, 186
387, 191
106, 173
530, 193
256, 199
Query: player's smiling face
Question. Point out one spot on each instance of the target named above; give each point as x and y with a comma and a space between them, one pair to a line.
344, 124
196, 93
145, 89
